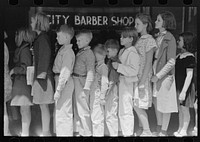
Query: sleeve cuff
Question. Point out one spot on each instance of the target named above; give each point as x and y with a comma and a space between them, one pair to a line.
42, 75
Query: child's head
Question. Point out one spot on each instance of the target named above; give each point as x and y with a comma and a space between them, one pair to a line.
24, 35
40, 22
83, 38
165, 20
65, 34
128, 37
112, 47
143, 23
186, 41
99, 52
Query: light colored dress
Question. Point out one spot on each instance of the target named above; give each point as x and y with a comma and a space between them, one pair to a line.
144, 45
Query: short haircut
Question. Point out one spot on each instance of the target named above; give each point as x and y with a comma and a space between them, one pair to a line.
85, 32
66, 29
146, 19
42, 22
112, 43
169, 21
24, 34
130, 32
100, 48
189, 42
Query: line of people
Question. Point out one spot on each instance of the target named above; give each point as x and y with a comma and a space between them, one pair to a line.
96, 91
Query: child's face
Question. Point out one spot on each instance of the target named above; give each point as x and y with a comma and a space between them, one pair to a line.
180, 42
98, 56
159, 22
33, 23
111, 52
82, 41
62, 38
125, 40
139, 26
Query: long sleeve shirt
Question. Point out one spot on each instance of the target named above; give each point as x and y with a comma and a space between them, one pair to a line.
102, 76
130, 62
84, 65
63, 64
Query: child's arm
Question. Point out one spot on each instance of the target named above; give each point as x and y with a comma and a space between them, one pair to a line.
188, 79
131, 67
90, 63
66, 70
147, 67
104, 81
171, 56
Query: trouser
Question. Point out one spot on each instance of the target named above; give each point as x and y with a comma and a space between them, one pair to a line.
82, 105
76, 117
126, 116
97, 111
111, 111
64, 112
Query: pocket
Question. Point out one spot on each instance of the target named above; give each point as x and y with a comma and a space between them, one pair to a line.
168, 81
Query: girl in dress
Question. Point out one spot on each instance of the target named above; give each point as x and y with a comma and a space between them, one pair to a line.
21, 92
42, 88
164, 89
185, 63
145, 46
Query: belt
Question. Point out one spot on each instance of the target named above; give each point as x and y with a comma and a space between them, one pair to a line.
78, 75
57, 74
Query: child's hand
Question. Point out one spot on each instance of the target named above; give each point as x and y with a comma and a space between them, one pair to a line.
154, 78
85, 93
182, 96
102, 101
11, 72
56, 95
115, 65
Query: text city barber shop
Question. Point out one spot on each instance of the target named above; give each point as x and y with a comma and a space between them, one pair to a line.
91, 20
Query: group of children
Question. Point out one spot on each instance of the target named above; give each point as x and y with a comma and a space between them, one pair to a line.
95, 97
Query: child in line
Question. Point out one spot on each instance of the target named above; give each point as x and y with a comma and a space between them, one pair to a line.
128, 69
7, 87
83, 75
164, 88
63, 68
21, 92
112, 98
185, 63
145, 46
43, 82
98, 91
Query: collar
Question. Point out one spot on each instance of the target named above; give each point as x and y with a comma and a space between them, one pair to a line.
145, 36
99, 63
65, 47
167, 36
84, 48
185, 54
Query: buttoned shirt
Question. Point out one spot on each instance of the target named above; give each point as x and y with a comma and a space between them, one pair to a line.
84, 65
63, 64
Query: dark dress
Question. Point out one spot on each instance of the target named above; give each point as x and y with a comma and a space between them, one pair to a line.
21, 92
182, 64
42, 89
